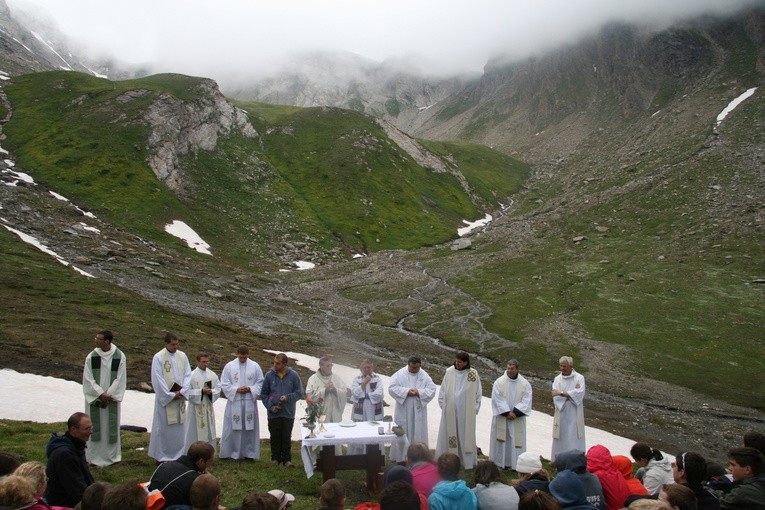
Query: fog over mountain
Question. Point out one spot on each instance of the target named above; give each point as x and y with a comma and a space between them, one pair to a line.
240, 40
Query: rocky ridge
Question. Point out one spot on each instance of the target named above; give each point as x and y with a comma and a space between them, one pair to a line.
179, 127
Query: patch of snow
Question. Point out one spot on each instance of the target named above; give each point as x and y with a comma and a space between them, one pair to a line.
23, 45
182, 231
58, 197
21, 176
9, 162
474, 225
37, 244
358, 255
302, 265
85, 226
97, 74
51, 48
733, 104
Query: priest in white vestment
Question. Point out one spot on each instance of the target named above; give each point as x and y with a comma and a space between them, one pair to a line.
510, 405
104, 380
459, 400
241, 382
412, 389
366, 399
329, 387
205, 390
171, 381
568, 418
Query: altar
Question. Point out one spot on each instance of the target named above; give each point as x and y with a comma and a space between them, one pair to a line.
371, 434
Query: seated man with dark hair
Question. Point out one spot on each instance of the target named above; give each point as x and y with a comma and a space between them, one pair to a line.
205, 493
128, 496
399, 495
174, 478
746, 465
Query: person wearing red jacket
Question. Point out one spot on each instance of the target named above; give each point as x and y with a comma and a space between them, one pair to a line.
600, 463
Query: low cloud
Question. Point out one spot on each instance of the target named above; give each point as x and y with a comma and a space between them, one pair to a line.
244, 38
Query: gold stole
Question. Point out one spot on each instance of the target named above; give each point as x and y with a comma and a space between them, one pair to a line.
176, 409
519, 431
451, 411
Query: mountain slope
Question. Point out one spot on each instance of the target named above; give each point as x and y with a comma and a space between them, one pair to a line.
145, 152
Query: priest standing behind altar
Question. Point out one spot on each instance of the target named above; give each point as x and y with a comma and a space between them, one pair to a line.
510, 405
241, 382
367, 399
568, 399
104, 380
412, 389
205, 390
326, 385
459, 400
171, 380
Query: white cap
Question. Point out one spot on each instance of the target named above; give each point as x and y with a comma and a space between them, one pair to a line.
284, 499
528, 463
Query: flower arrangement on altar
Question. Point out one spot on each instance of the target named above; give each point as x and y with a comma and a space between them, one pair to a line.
313, 409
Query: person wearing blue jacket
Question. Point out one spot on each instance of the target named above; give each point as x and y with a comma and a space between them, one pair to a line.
451, 493
280, 392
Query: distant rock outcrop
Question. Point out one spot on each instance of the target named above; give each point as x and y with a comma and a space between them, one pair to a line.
180, 127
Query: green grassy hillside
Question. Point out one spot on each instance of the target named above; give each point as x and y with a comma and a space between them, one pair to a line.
328, 177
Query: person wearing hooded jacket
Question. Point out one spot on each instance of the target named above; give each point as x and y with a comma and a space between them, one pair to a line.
451, 493
575, 460
569, 491
601, 464
656, 469
624, 466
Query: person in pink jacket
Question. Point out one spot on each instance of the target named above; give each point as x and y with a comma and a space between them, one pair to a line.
424, 470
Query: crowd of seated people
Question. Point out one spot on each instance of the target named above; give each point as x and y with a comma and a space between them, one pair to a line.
592, 480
